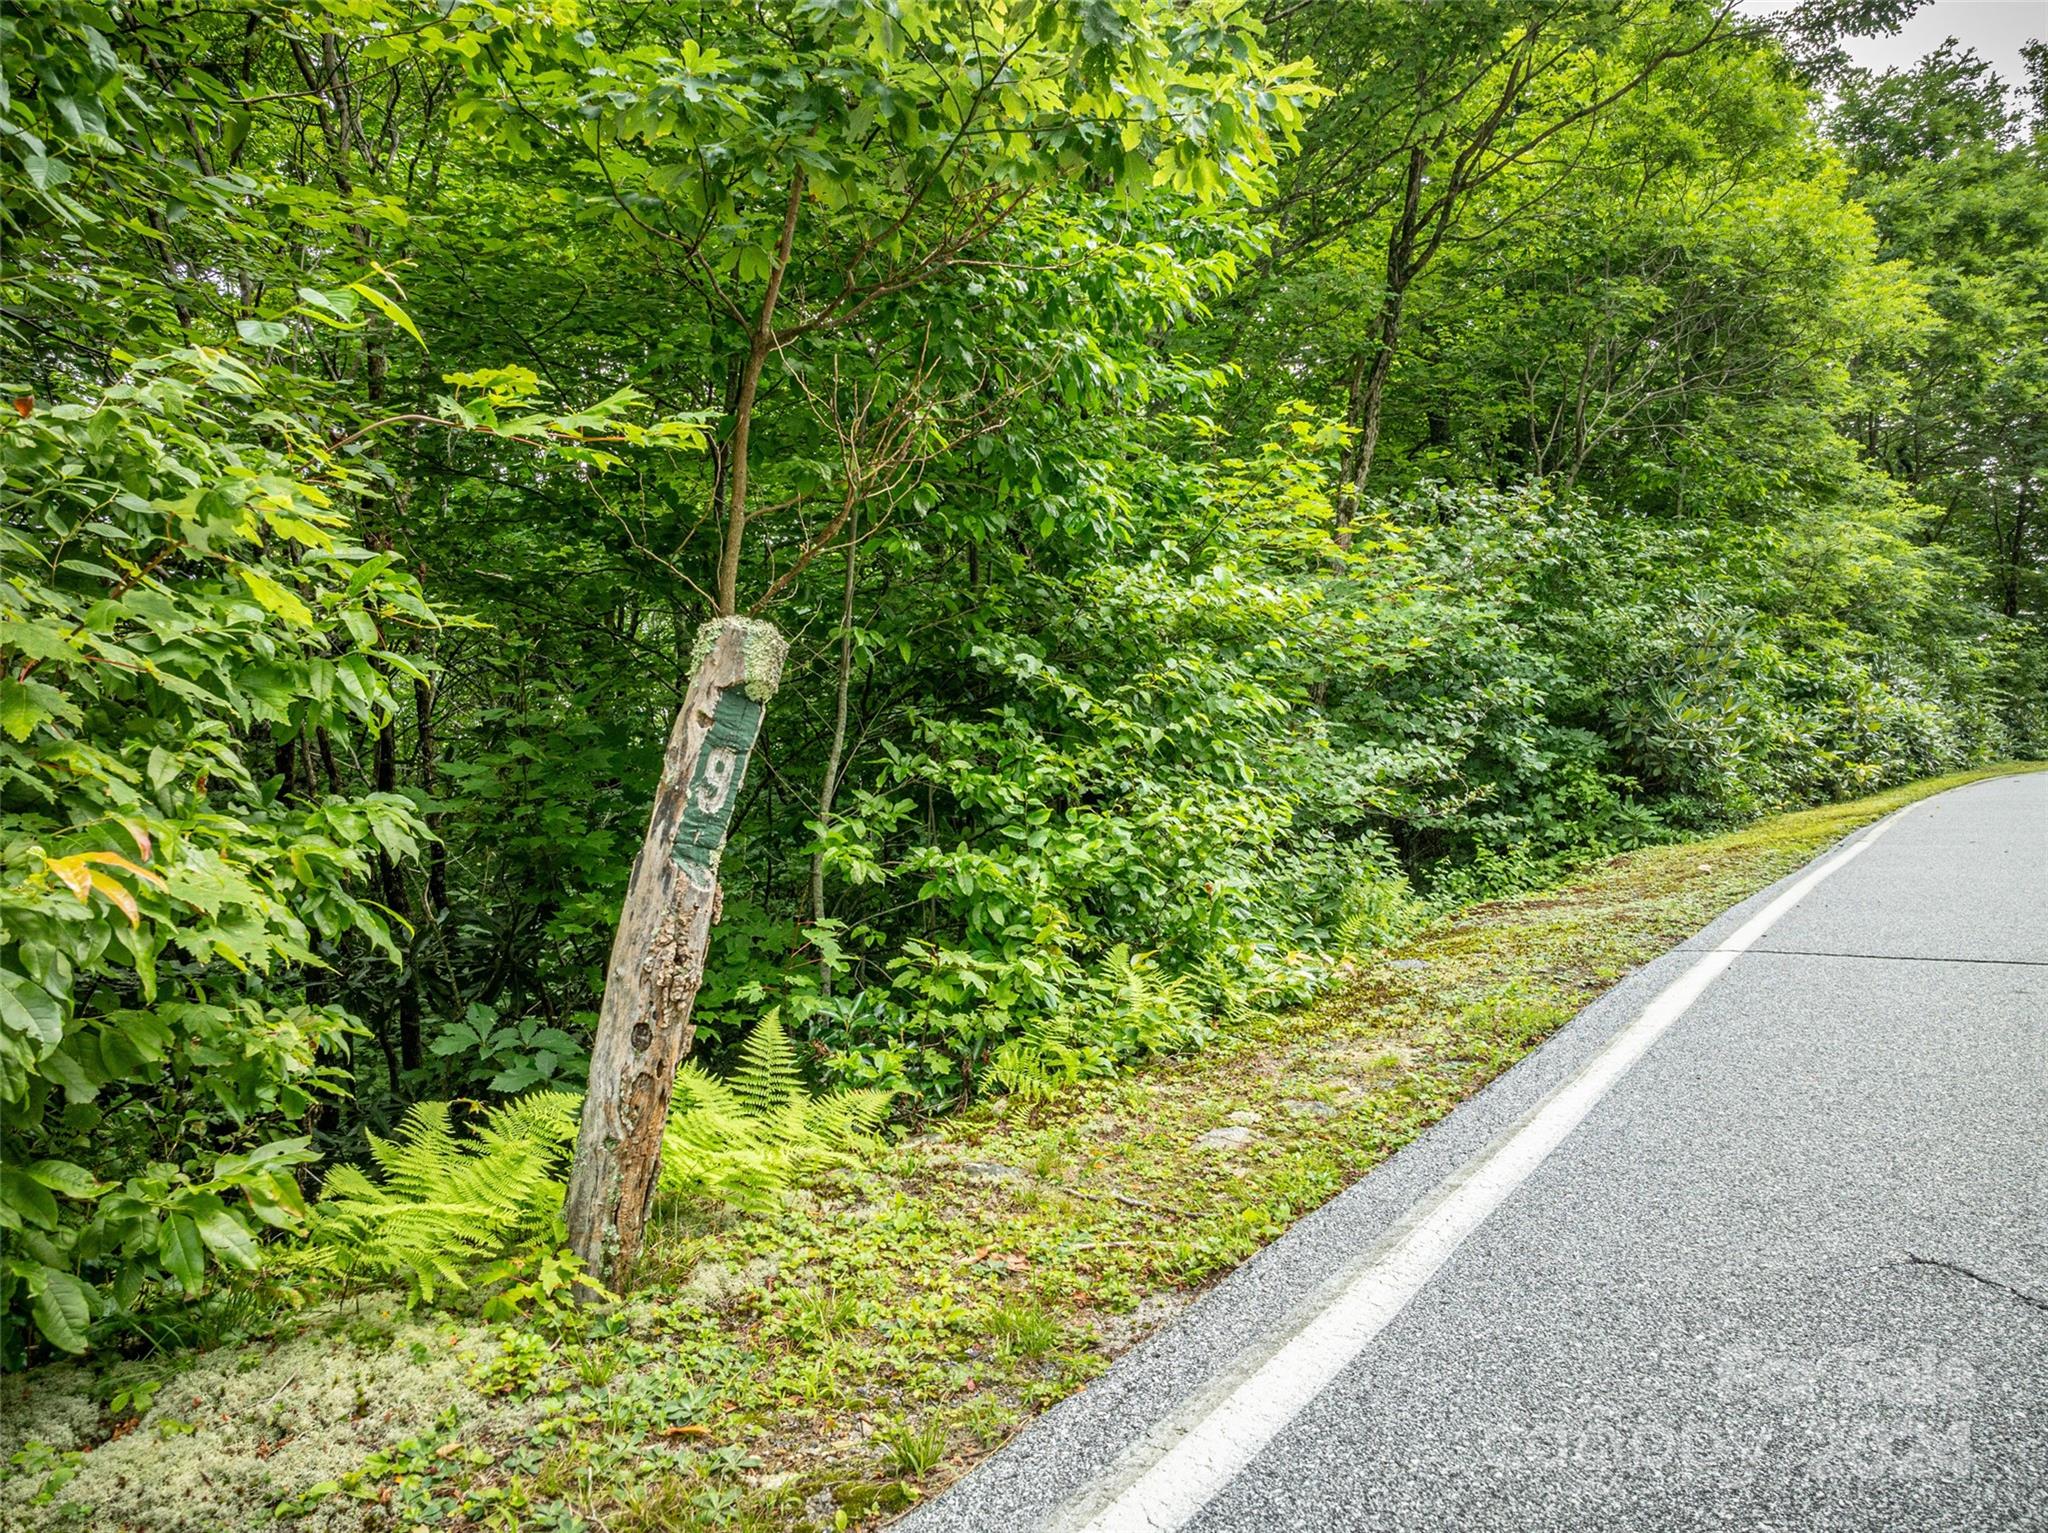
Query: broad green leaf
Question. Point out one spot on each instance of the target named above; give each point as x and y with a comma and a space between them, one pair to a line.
26, 704
64, 1068
37, 641
360, 627
27, 1199
336, 307
71, 1180
44, 172
28, 1008
180, 1250
62, 1309
390, 311
226, 1236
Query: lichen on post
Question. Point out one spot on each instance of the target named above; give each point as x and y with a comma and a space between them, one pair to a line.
657, 959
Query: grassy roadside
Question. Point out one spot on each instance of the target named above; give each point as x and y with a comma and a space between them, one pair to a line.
831, 1364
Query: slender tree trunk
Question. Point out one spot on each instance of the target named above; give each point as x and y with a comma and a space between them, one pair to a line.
390, 1056
1369, 393
1347, 472
828, 789
2015, 552
759, 343
391, 888
327, 762
437, 849
1372, 403
657, 959
672, 900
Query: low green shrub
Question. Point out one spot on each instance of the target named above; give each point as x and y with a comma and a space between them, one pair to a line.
439, 1210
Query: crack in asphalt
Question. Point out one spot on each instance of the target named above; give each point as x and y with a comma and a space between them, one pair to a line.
1798, 952
1914, 1260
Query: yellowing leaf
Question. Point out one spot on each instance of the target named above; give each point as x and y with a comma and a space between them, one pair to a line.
275, 598
80, 874
73, 874
137, 832
116, 860
390, 311
118, 894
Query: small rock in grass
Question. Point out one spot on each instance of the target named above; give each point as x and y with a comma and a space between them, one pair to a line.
1246, 1117
991, 1171
1407, 963
1235, 1137
1301, 1107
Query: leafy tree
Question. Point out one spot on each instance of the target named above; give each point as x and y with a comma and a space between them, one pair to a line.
1959, 188
813, 170
194, 636
187, 624
1431, 110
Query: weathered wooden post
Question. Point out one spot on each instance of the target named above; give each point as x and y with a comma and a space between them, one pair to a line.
657, 959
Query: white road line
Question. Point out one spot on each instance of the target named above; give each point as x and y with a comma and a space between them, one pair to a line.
1179, 1468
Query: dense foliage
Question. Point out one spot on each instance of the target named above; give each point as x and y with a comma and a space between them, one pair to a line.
1229, 487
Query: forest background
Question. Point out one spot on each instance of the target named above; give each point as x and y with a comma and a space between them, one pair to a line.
1233, 482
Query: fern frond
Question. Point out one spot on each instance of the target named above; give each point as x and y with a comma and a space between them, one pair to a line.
698, 1090
546, 1116
441, 1202
432, 1204
846, 1118
767, 1077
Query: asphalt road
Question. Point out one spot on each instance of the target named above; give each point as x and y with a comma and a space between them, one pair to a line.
1757, 1241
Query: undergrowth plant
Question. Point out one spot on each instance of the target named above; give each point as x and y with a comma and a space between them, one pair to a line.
1126, 1010
439, 1209
1592, 510
744, 1139
441, 1203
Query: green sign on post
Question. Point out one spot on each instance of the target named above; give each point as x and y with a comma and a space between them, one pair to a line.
715, 786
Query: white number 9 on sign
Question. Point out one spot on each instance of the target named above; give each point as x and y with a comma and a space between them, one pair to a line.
716, 785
